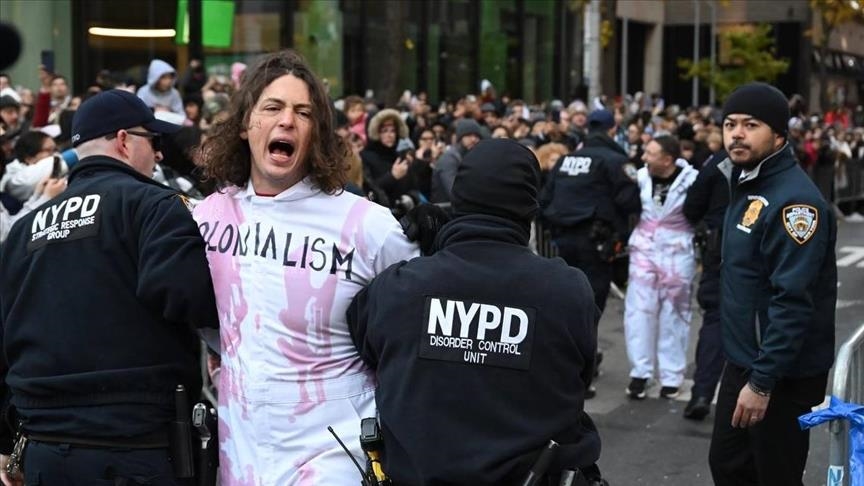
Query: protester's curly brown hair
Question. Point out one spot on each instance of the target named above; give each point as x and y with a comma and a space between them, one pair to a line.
226, 156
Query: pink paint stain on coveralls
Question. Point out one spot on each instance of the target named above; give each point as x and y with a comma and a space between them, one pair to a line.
226, 476
230, 299
308, 312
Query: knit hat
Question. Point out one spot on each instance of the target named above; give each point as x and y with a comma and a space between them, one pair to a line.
467, 126
498, 177
488, 107
761, 101
7, 101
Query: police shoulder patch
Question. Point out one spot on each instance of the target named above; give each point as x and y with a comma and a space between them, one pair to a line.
800, 221
630, 171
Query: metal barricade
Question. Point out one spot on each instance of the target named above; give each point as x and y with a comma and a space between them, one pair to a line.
542, 243
849, 183
849, 387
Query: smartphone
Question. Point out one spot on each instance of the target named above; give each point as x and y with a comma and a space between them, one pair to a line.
48, 60
57, 169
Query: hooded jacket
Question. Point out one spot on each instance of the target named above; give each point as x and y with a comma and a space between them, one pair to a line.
152, 97
20, 179
474, 379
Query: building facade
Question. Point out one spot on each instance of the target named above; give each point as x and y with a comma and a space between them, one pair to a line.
529, 49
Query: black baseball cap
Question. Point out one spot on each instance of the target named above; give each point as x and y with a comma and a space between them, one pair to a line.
114, 110
601, 120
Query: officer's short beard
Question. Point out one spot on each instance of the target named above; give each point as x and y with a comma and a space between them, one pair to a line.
751, 162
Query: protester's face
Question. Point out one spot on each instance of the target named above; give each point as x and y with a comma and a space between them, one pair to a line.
279, 135
387, 133
655, 159
4, 82
748, 140
59, 88
10, 116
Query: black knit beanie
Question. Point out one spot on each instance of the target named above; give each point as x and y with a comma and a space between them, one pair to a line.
498, 177
761, 101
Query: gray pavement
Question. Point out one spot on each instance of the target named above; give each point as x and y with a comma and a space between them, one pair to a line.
649, 442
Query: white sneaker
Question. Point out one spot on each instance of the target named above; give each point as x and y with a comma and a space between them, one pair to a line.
855, 218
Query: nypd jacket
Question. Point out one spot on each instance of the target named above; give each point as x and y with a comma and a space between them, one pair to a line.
482, 352
592, 182
779, 273
100, 291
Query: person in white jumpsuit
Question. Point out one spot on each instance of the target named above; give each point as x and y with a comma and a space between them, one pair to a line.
657, 308
288, 249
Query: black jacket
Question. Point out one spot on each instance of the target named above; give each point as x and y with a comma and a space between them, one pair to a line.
708, 197
779, 272
704, 208
472, 399
591, 183
100, 291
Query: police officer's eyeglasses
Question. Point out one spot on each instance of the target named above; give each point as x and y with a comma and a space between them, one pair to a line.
155, 138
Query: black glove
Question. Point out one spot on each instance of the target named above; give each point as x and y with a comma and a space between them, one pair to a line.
422, 223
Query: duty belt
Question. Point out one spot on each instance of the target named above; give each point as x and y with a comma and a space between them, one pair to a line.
156, 440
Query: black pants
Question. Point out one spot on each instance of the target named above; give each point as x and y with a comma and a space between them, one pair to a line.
709, 348
69, 465
709, 355
579, 251
774, 451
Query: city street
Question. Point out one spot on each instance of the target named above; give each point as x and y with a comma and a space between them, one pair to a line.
649, 442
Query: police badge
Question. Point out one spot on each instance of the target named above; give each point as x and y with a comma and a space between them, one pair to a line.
800, 221
752, 213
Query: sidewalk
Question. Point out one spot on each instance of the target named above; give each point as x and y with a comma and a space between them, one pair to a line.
648, 441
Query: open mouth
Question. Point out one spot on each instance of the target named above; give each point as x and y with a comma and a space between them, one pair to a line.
281, 148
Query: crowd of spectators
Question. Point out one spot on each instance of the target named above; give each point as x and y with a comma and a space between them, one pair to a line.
404, 154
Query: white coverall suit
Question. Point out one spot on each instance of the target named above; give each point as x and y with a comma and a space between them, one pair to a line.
284, 270
657, 309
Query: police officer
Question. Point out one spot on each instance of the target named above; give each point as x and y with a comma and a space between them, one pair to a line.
587, 200
481, 321
101, 290
704, 208
779, 290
